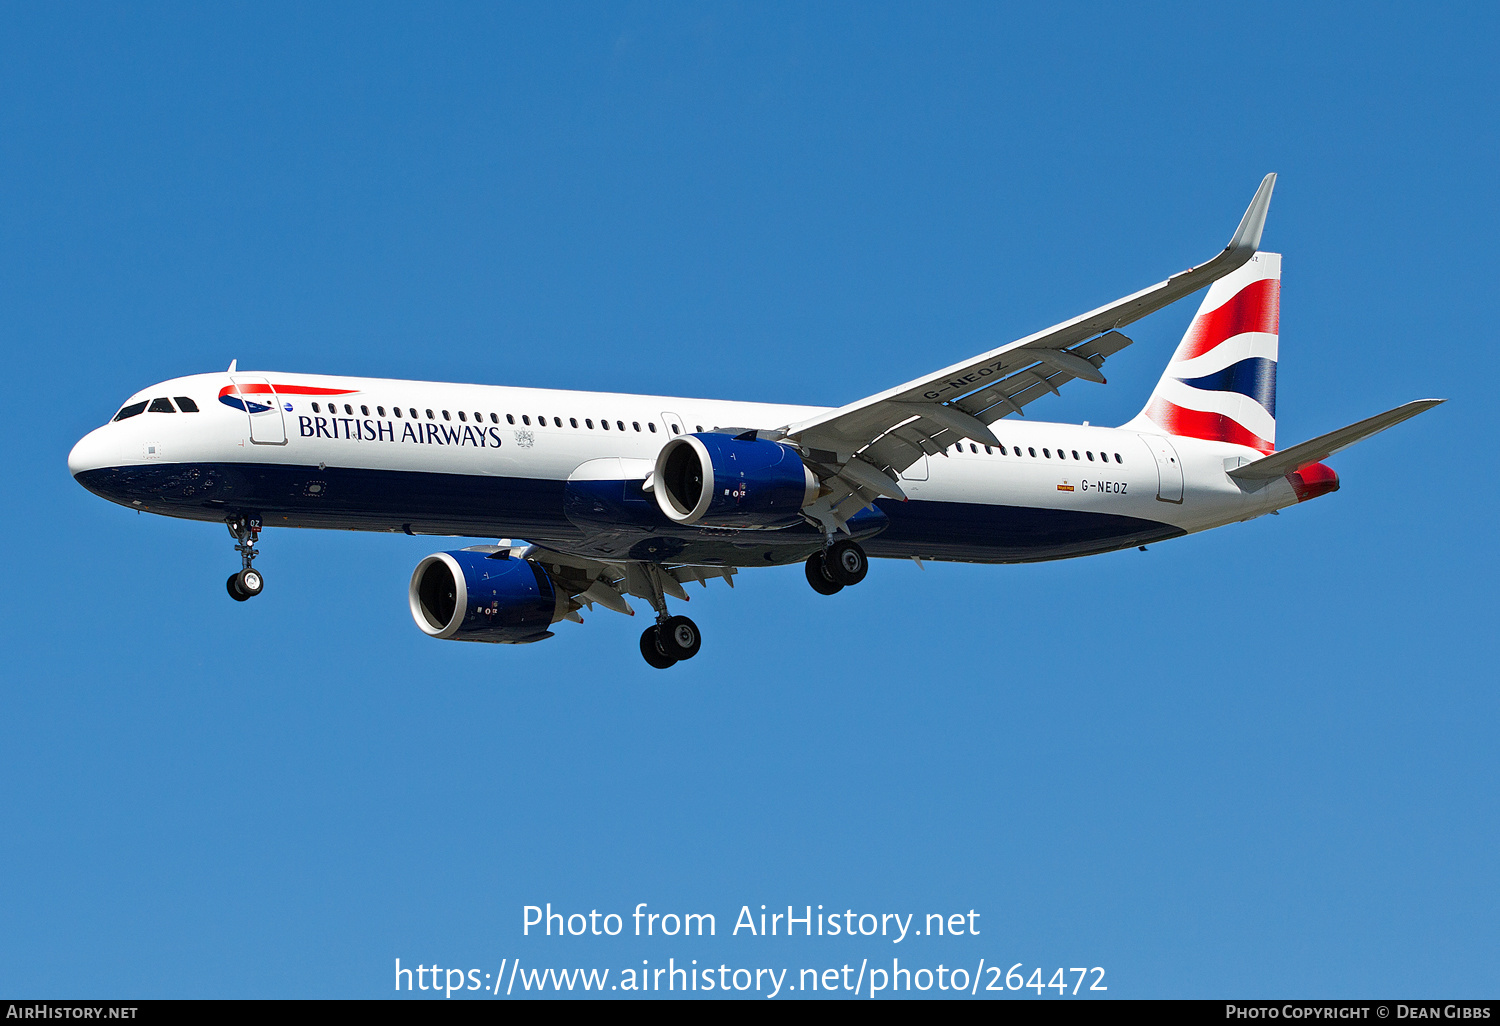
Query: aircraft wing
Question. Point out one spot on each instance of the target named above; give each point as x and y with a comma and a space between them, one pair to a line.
589, 582
865, 444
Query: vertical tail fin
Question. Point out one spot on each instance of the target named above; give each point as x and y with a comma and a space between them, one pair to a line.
1221, 383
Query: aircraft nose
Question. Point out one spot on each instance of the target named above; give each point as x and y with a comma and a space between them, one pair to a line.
91, 453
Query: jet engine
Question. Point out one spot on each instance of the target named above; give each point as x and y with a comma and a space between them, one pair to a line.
720, 480
470, 596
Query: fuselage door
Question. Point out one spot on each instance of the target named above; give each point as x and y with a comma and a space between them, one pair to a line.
263, 407
1168, 468
674, 424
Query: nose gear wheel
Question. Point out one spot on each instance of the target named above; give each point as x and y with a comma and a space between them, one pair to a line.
245, 585
248, 583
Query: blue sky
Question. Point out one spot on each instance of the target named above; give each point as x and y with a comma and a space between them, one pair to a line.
1259, 761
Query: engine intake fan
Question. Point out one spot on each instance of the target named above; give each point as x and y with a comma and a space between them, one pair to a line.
732, 481
467, 596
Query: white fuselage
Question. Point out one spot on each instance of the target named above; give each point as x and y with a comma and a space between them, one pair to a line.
311, 459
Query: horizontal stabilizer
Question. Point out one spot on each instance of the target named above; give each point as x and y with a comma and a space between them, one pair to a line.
1287, 460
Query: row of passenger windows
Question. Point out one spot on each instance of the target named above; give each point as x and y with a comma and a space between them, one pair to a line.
161, 405
1062, 454
186, 405
494, 418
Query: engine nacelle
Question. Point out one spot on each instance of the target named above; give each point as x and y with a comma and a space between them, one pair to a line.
719, 480
467, 596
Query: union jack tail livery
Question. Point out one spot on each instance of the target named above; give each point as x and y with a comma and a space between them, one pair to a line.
1221, 383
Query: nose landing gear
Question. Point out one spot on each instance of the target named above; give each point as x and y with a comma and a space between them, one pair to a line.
843, 564
248, 583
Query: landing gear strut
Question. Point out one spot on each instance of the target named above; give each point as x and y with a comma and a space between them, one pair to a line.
248, 583
841, 565
672, 638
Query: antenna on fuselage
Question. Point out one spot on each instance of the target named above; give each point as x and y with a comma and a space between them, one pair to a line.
232, 364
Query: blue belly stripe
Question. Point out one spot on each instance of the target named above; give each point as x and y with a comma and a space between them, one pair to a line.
472, 506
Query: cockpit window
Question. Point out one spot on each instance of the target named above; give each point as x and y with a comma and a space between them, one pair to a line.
185, 404
162, 405
132, 410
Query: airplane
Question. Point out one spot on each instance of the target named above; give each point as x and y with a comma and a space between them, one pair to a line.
622, 496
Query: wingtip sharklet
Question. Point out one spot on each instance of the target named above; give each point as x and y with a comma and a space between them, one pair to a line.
1246, 237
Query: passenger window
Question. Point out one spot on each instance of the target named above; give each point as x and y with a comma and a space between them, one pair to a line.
588, 423
541, 422
162, 405
526, 419
988, 451
494, 418
1032, 451
348, 409
620, 424
462, 415
573, 421
635, 424
604, 424
557, 421
652, 425
380, 411
315, 408
510, 418
186, 405
700, 428
1117, 458
974, 448
676, 429
1075, 454
430, 416
445, 415
1047, 453
479, 418
364, 411
1090, 455
133, 410
413, 411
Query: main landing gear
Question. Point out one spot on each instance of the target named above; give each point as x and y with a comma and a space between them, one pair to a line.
841, 565
672, 638
248, 583
669, 642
